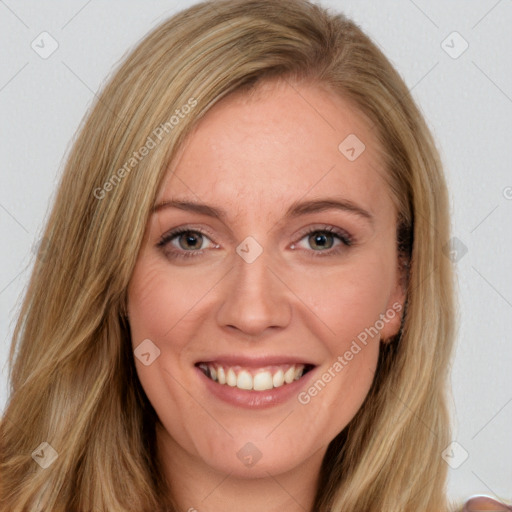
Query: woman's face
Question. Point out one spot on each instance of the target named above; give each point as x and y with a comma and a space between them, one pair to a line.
284, 265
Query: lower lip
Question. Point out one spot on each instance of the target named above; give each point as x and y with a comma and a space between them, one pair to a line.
250, 399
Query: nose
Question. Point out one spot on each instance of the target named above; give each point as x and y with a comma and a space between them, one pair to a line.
255, 298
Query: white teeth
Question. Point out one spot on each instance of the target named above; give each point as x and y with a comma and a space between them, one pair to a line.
258, 380
244, 380
231, 378
289, 375
263, 381
278, 378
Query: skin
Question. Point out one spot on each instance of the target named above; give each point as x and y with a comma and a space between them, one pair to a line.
253, 156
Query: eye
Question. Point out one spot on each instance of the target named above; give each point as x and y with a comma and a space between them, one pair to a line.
327, 240
184, 242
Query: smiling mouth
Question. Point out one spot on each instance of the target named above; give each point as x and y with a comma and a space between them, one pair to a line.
256, 379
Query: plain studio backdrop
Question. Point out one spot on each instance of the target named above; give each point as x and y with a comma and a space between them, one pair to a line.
454, 56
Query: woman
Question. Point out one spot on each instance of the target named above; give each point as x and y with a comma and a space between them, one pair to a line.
183, 344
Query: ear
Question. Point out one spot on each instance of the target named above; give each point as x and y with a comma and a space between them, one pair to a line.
395, 309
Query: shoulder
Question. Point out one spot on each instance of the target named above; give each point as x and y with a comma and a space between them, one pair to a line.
483, 503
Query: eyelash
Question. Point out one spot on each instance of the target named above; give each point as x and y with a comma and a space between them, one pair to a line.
345, 239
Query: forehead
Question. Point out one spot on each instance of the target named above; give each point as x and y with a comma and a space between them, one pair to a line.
265, 149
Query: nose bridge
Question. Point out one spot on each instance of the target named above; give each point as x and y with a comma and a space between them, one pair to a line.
255, 275
253, 262
254, 297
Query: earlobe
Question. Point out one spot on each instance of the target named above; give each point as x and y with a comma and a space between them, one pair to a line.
395, 311
392, 319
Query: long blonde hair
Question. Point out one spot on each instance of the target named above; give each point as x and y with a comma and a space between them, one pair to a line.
72, 375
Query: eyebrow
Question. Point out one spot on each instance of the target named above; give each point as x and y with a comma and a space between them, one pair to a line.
295, 210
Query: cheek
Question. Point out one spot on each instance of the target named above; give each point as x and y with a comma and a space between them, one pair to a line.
147, 298
350, 298
161, 309
162, 304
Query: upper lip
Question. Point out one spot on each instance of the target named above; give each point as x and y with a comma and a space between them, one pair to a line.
255, 362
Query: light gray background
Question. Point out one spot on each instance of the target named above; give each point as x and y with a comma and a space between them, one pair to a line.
466, 100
